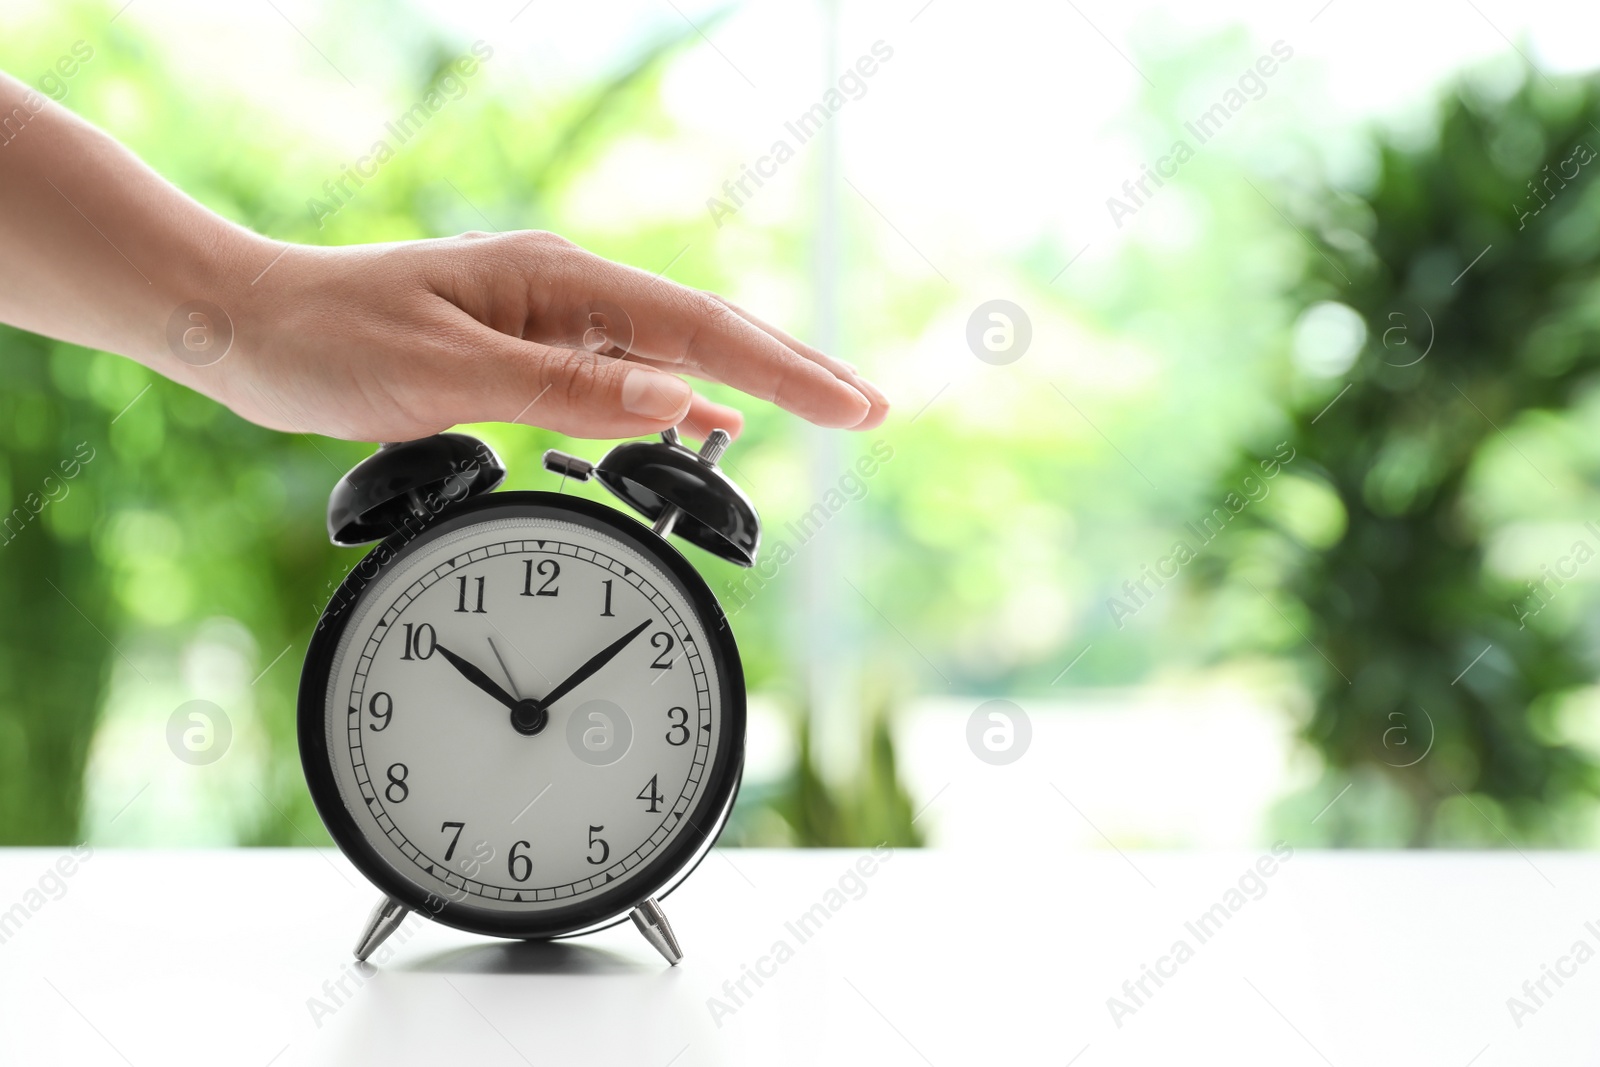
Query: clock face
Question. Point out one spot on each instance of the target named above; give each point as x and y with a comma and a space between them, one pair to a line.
528, 717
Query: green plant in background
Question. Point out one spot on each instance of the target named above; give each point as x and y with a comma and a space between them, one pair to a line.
184, 512
872, 808
52, 664
1473, 261
1377, 542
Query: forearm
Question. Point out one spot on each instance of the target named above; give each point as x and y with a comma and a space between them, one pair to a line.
99, 249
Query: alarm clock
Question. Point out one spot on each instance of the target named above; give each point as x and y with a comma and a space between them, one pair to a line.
523, 713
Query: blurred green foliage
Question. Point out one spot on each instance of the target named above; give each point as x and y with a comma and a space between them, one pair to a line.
991, 540
1472, 259
187, 514
873, 808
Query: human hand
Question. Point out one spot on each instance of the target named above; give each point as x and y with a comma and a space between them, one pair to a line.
378, 342
394, 342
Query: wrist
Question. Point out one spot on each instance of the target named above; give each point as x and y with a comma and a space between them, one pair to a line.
202, 297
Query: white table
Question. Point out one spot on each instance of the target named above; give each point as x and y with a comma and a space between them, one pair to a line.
161, 958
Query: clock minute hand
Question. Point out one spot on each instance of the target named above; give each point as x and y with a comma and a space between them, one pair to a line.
596, 661
477, 677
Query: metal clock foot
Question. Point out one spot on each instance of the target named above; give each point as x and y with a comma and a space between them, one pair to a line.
385, 919
652, 923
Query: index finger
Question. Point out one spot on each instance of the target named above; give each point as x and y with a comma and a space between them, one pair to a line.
671, 323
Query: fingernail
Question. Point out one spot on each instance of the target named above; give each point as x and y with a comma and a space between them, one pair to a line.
870, 391
654, 395
866, 404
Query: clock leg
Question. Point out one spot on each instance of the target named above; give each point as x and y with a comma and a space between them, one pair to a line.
384, 920
652, 923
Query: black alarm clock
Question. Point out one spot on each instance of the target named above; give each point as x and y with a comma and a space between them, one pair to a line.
523, 713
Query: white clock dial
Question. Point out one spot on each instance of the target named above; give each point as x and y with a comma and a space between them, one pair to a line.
427, 755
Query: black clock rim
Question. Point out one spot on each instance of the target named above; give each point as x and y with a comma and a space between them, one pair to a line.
706, 819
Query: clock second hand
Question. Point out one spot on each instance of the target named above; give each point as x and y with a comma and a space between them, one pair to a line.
478, 678
504, 669
527, 717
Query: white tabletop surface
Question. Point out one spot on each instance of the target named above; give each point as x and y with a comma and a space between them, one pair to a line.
942, 958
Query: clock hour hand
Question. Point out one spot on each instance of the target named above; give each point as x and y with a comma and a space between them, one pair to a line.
477, 677
596, 661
